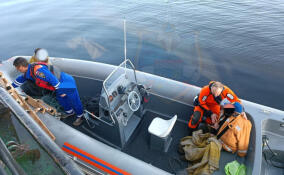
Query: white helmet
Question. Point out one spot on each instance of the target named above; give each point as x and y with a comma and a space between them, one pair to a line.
41, 55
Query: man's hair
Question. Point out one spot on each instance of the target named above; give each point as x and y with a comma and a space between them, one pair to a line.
20, 61
217, 85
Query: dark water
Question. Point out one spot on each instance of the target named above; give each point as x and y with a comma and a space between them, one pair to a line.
29, 155
240, 43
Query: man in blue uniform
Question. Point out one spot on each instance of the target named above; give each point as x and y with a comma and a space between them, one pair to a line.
63, 84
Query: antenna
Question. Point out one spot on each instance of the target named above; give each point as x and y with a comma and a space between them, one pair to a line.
124, 26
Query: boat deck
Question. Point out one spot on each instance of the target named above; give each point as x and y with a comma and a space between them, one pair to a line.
139, 145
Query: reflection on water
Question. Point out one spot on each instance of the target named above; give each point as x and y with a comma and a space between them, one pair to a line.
33, 159
237, 42
95, 50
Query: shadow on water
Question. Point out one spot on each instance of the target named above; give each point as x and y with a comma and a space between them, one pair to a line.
31, 157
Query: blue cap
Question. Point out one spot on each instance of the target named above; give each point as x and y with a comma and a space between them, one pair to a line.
238, 107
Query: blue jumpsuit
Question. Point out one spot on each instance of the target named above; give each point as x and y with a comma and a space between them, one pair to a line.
65, 85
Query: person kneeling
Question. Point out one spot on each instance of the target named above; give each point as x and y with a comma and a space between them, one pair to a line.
207, 105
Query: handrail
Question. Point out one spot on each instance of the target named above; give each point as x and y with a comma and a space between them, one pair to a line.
99, 118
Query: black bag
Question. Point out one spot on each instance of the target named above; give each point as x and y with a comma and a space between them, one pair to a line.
91, 104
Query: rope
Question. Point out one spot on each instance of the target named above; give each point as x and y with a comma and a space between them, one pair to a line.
51, 100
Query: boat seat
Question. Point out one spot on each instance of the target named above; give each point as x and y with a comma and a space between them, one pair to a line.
160, 133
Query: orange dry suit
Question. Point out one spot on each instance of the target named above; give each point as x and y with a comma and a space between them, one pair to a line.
236, 136
206, 104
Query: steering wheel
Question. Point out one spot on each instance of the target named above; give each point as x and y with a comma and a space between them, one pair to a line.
133, 101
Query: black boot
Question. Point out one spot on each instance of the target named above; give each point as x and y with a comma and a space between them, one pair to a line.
203, 127
180, 149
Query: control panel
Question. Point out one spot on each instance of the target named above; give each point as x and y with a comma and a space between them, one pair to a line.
123, 98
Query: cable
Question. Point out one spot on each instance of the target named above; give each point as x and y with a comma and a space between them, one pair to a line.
273, 155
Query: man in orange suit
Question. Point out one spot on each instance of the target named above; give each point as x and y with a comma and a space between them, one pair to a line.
207, 104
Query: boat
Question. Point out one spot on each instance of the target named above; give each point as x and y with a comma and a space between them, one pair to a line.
119, 139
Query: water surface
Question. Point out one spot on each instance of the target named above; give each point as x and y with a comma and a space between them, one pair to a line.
237, 42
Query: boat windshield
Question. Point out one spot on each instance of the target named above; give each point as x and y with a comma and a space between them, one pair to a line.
125, 71
27, 152
126, 68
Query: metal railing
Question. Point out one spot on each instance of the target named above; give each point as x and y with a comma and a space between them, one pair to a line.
107, 94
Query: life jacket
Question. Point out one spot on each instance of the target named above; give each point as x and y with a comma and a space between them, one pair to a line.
234, 134
38, 81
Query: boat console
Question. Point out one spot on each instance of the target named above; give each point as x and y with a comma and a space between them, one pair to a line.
120, 105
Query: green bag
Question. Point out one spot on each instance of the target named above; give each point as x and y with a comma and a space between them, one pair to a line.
234, 168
